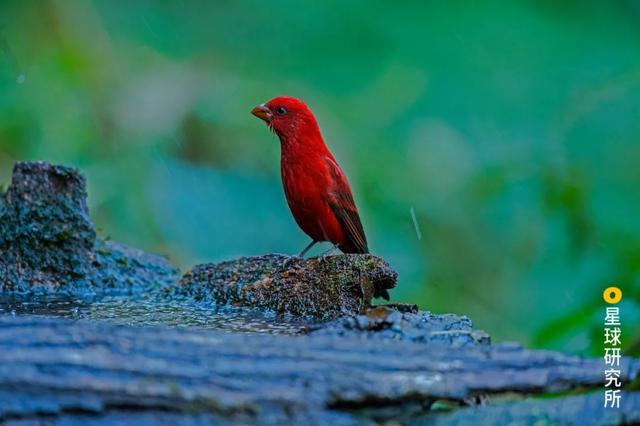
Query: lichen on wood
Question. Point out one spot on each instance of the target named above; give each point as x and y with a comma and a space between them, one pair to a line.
320, 287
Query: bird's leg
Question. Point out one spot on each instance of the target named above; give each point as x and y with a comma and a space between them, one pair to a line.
298, 256
330, 250
307, 248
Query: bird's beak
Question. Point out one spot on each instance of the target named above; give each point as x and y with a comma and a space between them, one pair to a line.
263, 112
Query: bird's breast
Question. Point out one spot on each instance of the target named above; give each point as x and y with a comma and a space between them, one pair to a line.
303, 184
306, 187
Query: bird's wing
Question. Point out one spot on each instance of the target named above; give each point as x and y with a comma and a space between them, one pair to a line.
343, 206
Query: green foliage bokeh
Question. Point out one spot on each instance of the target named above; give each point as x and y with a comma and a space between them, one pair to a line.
509, 130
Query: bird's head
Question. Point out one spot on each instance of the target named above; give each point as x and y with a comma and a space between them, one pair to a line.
287, 116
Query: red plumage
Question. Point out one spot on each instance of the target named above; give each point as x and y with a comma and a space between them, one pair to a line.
315, 186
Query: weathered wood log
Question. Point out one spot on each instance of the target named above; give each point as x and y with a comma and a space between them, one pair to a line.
383, 363
570, 410
404, 322
63, 369
48, 243
321, 287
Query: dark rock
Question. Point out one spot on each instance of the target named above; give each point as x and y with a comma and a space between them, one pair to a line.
48, 242
65, 370
390, 322
320, 287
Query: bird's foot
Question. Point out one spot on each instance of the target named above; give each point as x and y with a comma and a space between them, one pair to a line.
329, 252
290, 261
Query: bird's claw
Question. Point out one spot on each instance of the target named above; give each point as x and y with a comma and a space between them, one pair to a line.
323, 256
287, 262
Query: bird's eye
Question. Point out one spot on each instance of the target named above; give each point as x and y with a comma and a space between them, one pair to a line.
281, 110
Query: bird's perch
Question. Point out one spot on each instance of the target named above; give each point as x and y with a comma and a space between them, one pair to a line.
322, 287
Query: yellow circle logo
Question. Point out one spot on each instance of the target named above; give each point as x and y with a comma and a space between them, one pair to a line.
612, 295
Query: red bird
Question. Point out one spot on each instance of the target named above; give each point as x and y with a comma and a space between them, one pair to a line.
316, 188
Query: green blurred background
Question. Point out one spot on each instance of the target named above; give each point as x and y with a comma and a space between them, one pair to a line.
510, 129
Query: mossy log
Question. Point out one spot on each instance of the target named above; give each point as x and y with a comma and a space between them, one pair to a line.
48, 243
321, 287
